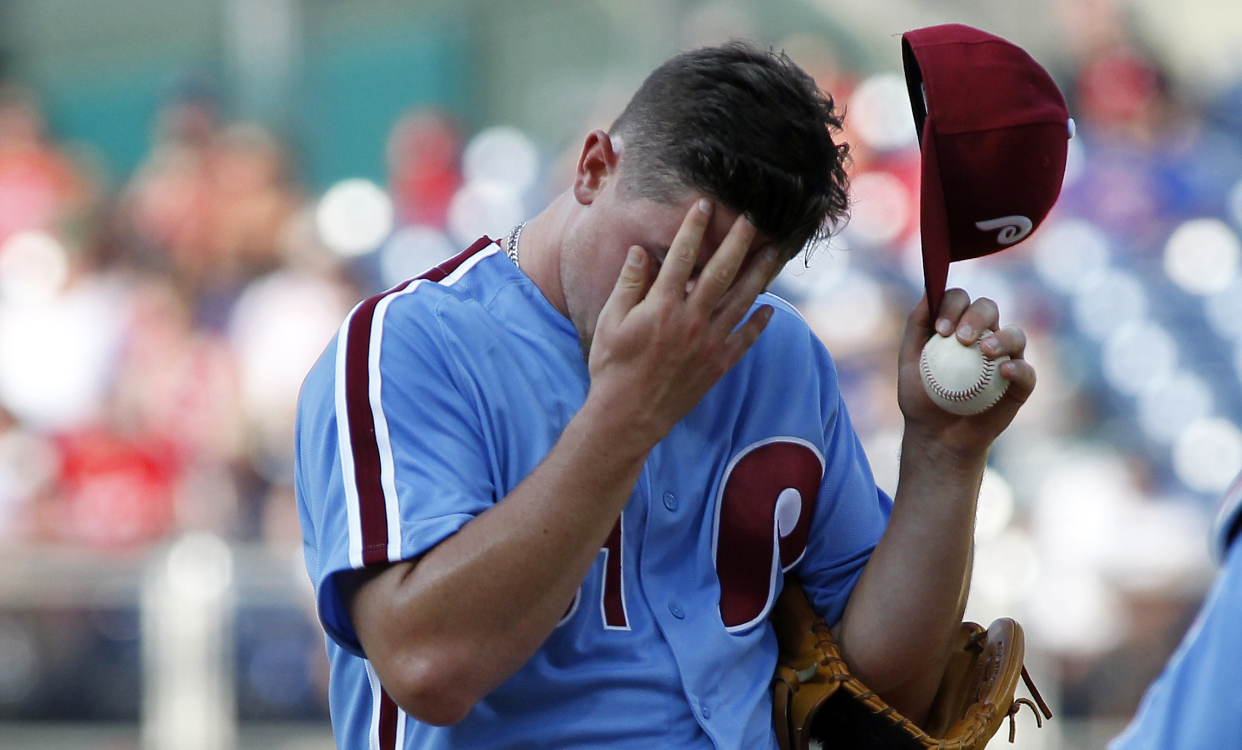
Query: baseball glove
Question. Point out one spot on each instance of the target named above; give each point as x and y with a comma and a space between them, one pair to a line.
818, 703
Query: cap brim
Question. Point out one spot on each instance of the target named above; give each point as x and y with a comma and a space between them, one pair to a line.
933, 225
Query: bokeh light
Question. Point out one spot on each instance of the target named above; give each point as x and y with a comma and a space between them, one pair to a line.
1224, 311
1202, 256
1156, 546
200, 566
1068, 254
1167, 407
995, 505
1108, 301
354, 217
818, 270
1006, 568
504, 155
483, 208
879, 208
280, 326
34, 267
1138, 355
411, 251
1077, 506
1074, 612
55, 356
1208, 454
851, 315
980, 278
1235, 204
879, 111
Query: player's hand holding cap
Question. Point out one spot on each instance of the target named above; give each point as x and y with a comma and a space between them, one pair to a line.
994, 132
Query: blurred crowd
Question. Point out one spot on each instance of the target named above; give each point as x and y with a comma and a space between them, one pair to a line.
154, 334
142, 360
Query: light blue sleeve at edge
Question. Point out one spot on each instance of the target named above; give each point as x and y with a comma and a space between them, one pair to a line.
1196, 703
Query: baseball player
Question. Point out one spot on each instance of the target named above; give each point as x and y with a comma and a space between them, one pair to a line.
550, 489
1195, 703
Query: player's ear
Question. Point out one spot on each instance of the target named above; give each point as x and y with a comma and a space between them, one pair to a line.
600, 161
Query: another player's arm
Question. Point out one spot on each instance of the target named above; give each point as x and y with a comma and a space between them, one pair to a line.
445, 630
909, 601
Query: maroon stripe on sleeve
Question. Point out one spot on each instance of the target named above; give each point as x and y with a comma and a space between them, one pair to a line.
387, 722
444, 269
372, 513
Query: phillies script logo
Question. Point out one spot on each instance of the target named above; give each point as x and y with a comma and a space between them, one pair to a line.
763, 521
1012, 228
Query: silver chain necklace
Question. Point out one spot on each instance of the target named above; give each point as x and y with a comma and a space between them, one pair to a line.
512, 244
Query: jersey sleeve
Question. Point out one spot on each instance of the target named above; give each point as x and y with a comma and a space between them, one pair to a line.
392, 458
851, 512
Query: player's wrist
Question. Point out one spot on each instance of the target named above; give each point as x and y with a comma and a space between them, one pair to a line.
929, 450
625, 431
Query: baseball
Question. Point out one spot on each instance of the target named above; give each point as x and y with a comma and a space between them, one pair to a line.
961, 379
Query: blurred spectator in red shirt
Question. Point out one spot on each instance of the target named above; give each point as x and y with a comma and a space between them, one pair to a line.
424, 164
39, 186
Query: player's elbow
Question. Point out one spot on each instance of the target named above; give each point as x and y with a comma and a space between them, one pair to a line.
907, 685
436, 711
431, 692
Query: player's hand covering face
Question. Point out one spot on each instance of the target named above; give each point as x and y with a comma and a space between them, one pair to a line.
660, 344
963, 435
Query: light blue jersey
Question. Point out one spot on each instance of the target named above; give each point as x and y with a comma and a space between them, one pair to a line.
438, 397
1196, 702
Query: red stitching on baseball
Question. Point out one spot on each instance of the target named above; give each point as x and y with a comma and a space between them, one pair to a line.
989, 368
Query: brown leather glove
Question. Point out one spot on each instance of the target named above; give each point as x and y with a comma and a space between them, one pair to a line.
818, 703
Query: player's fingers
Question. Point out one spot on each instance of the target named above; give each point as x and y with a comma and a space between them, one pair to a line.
630, 287
747, 334
982, 315
1021, 377
718, 275
679, 262
738, 300
1007, 342
952, 305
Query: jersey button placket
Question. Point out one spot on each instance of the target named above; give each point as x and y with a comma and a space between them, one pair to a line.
670, 501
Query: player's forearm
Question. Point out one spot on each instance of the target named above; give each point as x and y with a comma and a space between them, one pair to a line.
445, 632
909, 601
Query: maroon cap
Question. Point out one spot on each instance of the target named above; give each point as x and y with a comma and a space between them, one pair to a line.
994, 132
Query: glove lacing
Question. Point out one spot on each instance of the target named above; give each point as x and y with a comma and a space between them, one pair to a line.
1018, 703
